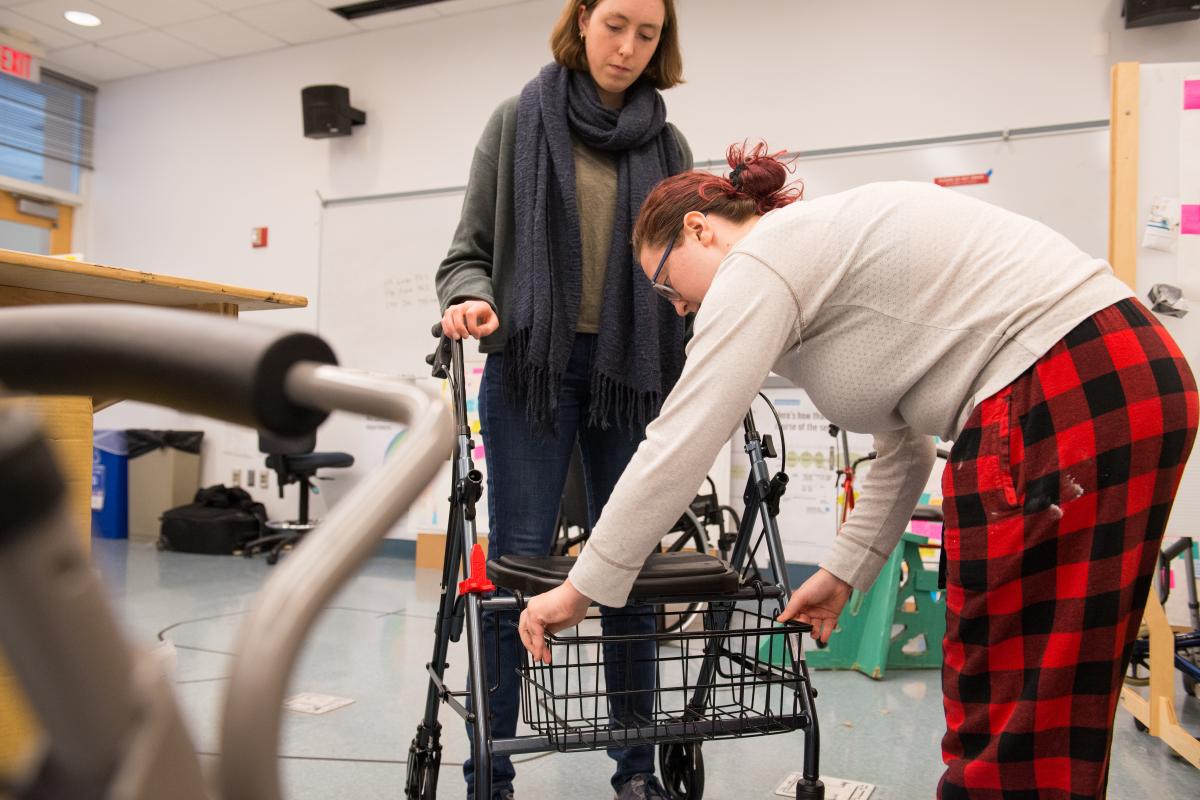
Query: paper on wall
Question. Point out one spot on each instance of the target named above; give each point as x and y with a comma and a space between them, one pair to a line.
1162, 225
313, 703
835, 788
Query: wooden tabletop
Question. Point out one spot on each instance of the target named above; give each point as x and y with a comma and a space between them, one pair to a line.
98, 282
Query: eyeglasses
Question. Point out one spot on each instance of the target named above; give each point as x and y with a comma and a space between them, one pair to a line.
664, 289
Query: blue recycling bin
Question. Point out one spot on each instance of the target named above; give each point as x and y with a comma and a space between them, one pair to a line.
110, 484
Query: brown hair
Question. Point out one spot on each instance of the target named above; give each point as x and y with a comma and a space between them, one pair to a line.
757, 184
666, 65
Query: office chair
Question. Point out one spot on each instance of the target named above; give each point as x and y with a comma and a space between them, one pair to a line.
293, 461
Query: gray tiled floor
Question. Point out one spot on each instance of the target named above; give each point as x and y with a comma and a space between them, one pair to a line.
373, 642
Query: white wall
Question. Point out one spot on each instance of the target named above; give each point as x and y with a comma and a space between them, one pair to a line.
189, 160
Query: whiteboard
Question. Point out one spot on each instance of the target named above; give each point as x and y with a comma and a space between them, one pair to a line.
1058, 179
376, 305
376, 299
1169, 166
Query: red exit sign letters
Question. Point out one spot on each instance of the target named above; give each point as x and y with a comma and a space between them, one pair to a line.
16, 62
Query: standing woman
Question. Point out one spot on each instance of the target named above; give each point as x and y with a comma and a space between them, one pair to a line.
578, 349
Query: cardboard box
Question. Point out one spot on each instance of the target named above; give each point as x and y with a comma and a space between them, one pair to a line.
158, 481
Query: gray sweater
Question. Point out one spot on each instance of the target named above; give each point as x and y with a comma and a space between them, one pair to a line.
897, 307
480, 262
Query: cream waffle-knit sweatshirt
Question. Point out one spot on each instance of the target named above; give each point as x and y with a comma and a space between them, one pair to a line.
897, 307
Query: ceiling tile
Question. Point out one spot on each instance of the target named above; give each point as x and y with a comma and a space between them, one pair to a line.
224, 35
157, 13
93, 62
158, 49
50, 12
235, 5
449, 8
46, 36
393, 18
296, 21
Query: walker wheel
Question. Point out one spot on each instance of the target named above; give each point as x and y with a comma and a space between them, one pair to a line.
682, 768
272, 557
810, 790
1189, 686
1137, 723
422, 778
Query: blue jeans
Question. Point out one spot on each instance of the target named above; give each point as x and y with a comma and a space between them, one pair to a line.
525, 485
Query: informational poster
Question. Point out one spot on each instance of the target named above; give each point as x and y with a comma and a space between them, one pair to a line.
809, 510
373, 440
1189, 177
431, 511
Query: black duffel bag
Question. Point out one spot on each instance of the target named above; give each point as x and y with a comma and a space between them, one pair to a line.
218, 521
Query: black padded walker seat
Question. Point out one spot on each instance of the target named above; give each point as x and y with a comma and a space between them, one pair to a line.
664, 575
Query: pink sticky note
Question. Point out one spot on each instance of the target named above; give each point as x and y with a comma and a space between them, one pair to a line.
1191, 94
930, 530
1189, 219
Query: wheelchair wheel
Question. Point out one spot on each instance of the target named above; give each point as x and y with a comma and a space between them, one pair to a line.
682, 768
694, 536
1192, 656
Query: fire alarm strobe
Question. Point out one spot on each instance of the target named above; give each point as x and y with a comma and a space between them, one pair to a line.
327, 111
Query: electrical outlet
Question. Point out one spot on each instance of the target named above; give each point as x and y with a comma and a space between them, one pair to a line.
262, 479
237, 477
250, 478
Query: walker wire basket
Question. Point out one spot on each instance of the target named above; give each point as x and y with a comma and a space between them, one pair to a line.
737, 676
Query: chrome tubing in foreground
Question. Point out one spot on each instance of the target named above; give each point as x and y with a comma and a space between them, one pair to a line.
270, 639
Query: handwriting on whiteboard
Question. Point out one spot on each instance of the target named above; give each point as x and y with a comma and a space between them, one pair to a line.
410, 292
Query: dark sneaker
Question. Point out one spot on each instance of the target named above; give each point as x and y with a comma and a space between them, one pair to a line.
642, 787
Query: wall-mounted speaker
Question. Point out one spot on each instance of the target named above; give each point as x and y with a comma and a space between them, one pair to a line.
1142, 13
327, 111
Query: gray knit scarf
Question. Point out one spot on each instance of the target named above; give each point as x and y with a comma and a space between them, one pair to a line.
639, 349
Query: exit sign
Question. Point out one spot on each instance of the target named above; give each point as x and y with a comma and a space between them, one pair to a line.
17, 63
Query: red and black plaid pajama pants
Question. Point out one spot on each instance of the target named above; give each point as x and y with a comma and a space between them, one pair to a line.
1057, 493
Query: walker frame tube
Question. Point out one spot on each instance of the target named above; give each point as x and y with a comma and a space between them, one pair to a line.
113, 727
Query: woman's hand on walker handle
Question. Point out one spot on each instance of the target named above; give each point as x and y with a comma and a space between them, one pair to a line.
470, 318
818, 601
550, 612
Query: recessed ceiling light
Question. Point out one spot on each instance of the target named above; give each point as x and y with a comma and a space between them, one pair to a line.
82, 18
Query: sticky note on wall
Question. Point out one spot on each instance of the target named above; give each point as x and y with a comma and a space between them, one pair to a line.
1191, 94
1189, 219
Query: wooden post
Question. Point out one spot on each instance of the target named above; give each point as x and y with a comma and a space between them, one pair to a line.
1123, 176
67, 422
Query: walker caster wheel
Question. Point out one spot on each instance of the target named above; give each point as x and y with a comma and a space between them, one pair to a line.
810, 790
421, 782
682, 768
272, 558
